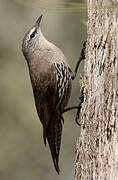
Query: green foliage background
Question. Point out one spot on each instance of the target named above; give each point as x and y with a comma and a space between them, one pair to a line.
23, 155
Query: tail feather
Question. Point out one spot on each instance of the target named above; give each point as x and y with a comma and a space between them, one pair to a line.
58, 133
54, 140
44, 135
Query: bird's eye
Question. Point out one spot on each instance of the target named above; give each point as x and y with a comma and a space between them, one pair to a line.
33, 34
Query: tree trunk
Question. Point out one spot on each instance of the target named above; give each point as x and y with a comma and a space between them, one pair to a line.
97, 147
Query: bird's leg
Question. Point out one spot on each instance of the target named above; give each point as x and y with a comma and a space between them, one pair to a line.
79, 107
82, 57
70, 108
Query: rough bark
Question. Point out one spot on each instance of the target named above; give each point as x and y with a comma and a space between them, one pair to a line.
97, 146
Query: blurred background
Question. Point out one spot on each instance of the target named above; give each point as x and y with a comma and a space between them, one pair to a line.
23, 155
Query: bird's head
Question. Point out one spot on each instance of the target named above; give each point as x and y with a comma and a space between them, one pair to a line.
31, 41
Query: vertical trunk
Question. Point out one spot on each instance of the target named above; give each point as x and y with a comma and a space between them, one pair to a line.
97, 147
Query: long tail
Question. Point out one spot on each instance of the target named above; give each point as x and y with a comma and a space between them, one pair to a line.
54, 140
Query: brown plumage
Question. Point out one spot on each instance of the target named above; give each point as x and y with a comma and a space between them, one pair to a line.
51, 82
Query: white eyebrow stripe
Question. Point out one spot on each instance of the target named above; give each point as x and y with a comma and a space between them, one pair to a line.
31, 31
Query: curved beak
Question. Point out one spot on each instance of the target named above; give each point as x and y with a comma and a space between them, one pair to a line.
38, 21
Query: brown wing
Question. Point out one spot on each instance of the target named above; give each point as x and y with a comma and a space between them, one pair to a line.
64, 85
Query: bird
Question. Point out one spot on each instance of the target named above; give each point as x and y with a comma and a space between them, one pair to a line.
51, 79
